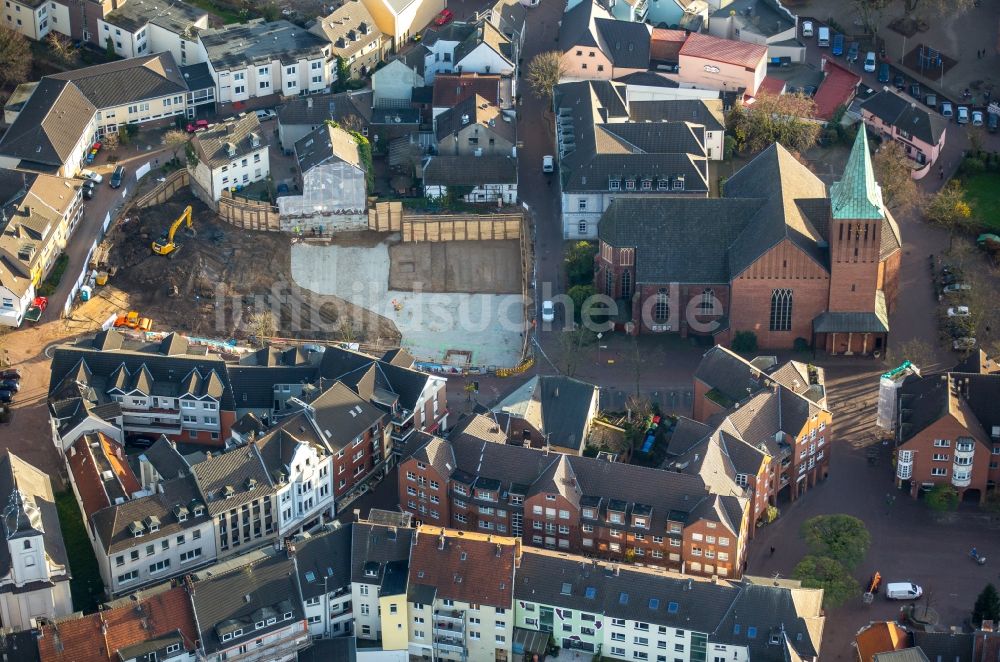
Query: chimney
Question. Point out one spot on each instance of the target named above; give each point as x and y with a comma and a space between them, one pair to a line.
498, 550
441, 541
290, 548
987, 625
357, 514
309, 102
208, 455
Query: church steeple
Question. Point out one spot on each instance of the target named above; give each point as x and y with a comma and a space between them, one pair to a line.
857, 196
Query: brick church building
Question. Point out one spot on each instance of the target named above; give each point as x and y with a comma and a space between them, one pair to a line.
778, 255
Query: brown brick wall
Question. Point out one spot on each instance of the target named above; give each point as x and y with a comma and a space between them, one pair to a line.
889, 278
702, 408
947, 427
429, 474
706, 547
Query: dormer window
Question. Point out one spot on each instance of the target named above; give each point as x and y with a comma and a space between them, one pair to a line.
639, 522
662, 185
258, 625
287, 615
629, 184
614, 185
615, 518
647, 185
227, 637
679, 183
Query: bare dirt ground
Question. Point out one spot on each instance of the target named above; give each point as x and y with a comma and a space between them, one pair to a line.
487, 267
219, 275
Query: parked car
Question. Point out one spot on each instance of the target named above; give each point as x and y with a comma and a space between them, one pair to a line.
977, 118
138, 441
899, 82
809, 91
870, 62
6, 397
883, 72
838, 45
548, 312
197, 125
992, 120
92, 176
823, 37
915, 90
853, 49
88, 189
958, 311
964, 344
957, 287
903, 591
963, 115
10, 373
548, 163
10, 385
265, 114
807, 28
117, 177
946, 110
445, 17
930, 101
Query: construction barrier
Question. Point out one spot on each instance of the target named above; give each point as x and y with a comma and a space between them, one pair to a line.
249, 214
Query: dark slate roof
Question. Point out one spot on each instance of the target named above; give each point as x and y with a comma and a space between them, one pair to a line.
243, 44
175, 17
849, 322
576, 27
166, 460
126, 81
242, 469
707, 112
430, 450
669, 235
907, 116
373, 546
626, 43
557, 406
314, 109
454, 170
323, 561
474, 110
253, 386
50, 124
197, 76
647, 79
686, 434
211, 145
945, 646
341, 415
338, 649
29, 510
327, 144
769, 411
363, 373
220, 600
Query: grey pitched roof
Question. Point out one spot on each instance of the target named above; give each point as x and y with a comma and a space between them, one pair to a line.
350, 28
769, 411
166, 460
197, 76
243, 44
896, 111
626, 43
212, 146
375, 545
253, 386
904, 655
341, 415
176, 17
49, 126
338, 649
474, 110
29, 509
241, 597
647, 79
241, 469
454, 170
686, 434
945, 646
327, 144
314, 109
557, 406
669, 235
126, 81
707, 112
431, 450
323, 561
763, 613
577, 25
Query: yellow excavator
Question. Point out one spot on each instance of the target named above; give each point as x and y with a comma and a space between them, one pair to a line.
165, 245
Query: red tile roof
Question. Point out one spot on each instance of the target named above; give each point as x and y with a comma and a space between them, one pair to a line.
771, 85
82, 639
86, 471
837, 88
450, 89
116, 457
740, 53
665, 44
473, 567
881, 637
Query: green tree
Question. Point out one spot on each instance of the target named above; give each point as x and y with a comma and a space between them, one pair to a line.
774, 118
15, 56
109, 47
579, 294
895, 176
580, 263
175, 139
544, 72
842, 538
343, 74
949, 209
987, 607
823, 572
942, 497
744, 342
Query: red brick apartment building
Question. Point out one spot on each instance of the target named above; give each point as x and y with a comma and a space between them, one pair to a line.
577, 504
777, 255
948, 429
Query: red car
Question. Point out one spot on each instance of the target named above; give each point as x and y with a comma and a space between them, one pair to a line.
444, 17
197, 125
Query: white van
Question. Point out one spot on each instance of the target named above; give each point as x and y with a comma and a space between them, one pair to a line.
548, 163
903, 591
823, 40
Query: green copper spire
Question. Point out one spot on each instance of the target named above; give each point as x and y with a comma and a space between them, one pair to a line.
857, 195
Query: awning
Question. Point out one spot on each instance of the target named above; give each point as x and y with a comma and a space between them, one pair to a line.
532, 642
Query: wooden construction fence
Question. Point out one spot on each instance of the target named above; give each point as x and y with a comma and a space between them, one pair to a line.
385, 216
162, 192
462, 227
249, 214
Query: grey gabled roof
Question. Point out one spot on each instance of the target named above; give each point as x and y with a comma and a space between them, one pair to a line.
677, 239
904, 655
907, 116
50, 124
241, 469
707, 112
323, 561
239, 598
341, 415
626, 43
454, 170
349, 29
127, 81
314, 109
577, 25
557, 406
327, 144
166, 460
945, 646
29, 509
212, 145
379, 545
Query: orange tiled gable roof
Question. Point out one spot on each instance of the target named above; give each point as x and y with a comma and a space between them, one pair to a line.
465, 566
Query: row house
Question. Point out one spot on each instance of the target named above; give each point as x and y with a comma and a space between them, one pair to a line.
770, 421
35, 19
576, 504
135, 29
460, 595
41, 212
630, 613
258, 59
920, 132
323, 563
477, 47
380, 550
948, 429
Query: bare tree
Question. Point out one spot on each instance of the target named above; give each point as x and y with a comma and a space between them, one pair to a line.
571, 346
638, 407
111, 141
949, 209
175, 139
916, 350
15, 56
544, 72
261, 325
895, 176
939, 7
63, 48
870, 13
351, 123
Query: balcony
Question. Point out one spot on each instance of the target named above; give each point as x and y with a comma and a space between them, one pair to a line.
401, 417
161, 427
449, 645
961, 479
284, 647
450, 616
400, 434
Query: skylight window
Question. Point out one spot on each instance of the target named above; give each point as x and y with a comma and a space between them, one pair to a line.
623, 598
751, 632
654, 603
310, 576
672, 607
567, 588
591, 593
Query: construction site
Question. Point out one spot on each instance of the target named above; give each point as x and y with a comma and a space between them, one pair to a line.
454, 302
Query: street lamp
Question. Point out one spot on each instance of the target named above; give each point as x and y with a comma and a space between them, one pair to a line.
599, 336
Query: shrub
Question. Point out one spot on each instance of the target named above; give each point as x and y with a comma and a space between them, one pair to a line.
745, 341
729, 147
801, 345
972, 166
942, 497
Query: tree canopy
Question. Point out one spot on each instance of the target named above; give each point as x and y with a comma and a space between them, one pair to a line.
942, 497
774, 118
580, 263
15, 56
894, 175
842, 538
544, 72
987, 607
823, 572
949, 209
